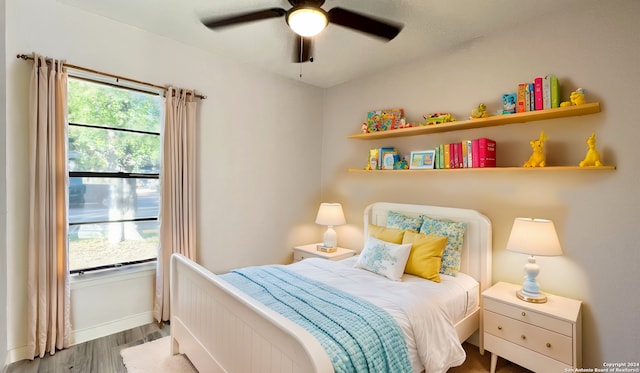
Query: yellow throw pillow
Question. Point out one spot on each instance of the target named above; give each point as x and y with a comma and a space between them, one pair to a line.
425, 257
392, 235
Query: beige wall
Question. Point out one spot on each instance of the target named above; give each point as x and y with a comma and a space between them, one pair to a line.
3, 199
259, 153
596, 213
258, 149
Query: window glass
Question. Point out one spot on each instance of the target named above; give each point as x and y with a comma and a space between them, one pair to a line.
114, 164
103, 150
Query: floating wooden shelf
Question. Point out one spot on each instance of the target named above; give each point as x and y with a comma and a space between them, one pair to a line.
498, 120
488, 169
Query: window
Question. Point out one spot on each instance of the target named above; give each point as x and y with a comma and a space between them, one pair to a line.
114, 152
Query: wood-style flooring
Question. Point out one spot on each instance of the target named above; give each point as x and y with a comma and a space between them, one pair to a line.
101, 355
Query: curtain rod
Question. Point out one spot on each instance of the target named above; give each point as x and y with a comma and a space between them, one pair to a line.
27, 57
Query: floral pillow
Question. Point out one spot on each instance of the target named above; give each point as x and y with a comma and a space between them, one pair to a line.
454, 231
384, 258
400, 221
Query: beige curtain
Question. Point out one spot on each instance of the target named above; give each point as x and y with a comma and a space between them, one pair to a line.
48, 324
178, 191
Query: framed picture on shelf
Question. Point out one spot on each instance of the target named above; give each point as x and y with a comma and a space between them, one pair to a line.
422, 160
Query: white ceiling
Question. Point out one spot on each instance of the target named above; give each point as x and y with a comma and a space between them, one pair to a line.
340, 54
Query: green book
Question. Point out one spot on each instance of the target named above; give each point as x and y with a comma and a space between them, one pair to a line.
555, 91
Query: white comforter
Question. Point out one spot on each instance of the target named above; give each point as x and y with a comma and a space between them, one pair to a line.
416, 304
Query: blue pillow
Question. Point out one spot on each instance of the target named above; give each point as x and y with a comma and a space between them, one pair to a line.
400, 221
453, 249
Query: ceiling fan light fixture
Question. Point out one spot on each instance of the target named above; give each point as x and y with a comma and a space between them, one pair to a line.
307, 21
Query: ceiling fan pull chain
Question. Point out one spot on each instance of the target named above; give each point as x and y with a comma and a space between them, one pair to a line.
300, 57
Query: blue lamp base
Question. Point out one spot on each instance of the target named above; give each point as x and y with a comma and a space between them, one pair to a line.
530, 291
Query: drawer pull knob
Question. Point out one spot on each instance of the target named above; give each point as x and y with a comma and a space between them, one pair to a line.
523, 337
523, 314
548, 345
499, 327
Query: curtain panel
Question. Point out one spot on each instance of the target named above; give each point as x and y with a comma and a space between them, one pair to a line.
178, 191
48, 293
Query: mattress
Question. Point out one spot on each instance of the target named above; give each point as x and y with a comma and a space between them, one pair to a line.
426, 311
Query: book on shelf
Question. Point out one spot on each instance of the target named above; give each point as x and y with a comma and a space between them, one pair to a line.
509, 103
447, 155
537, 90
555, 91
455, 150
546, 92
382, 153
532, 97
486, 152
465, 154
474, 153
475, 161
521, 105
389, 159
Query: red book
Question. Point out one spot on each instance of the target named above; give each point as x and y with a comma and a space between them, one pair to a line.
475, 157
486, 152
455, 155
537, 91
452, 155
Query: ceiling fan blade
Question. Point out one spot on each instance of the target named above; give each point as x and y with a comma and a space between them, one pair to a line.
302, 49
214, 23
366, 24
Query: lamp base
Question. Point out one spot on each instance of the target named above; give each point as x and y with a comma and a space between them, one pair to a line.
531, 298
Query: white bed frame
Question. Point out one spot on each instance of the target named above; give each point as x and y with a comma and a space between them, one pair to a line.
222, 330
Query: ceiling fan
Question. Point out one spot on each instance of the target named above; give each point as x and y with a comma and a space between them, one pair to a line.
306, 18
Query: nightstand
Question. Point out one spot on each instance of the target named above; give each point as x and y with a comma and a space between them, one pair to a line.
310, 251
543, 337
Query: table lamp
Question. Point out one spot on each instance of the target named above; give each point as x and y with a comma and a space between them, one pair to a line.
330, 214
533, 237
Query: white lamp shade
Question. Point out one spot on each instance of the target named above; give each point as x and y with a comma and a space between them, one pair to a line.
330, 214
307, 21
534, 237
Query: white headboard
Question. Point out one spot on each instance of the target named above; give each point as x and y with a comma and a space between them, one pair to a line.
477, 246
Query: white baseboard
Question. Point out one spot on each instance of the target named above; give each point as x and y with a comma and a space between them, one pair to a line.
115, 326
88, 334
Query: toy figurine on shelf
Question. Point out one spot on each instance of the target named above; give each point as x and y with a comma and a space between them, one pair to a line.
537, 158
593, 157
404, 123
479, 112
576, 98
401, 165
364, 128
437, 118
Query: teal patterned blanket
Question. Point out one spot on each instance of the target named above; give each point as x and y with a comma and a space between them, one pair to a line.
357, 335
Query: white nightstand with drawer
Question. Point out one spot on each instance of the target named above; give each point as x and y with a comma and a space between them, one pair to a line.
543, 337
311, 251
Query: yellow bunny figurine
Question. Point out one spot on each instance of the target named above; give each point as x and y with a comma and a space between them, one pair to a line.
593, 157
537, 158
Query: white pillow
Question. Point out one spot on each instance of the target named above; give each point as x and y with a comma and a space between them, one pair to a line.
384, 258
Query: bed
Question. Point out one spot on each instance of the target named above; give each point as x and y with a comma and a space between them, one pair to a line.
222, 329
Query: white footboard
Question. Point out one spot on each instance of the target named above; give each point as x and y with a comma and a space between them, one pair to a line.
222, 330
